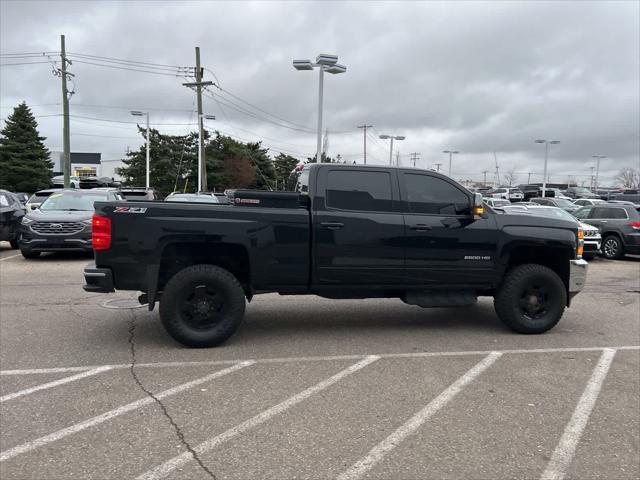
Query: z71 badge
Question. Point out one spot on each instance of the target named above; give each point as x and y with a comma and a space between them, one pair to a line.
477, 257
130, 210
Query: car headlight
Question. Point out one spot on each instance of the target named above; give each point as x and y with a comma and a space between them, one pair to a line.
26, 221
87, 221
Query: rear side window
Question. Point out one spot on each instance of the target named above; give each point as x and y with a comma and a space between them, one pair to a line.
359, 190
4, 200
432, 195
610, 213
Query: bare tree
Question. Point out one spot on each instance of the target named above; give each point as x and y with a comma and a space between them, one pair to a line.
511, 177
629, 177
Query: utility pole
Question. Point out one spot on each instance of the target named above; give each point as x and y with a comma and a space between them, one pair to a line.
398, 158
591, 178
66, 141
199, 83
438, 165
484, 178
364, 127
529, 178
415, 156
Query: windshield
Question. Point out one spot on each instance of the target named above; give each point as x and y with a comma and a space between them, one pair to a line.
581, 190
72, 201
551, 213
500, 203
193, 198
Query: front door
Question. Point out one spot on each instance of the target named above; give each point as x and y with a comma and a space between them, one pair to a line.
444, 244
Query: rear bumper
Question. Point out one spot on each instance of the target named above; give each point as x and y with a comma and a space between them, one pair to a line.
577, 275
99, 280
632, 242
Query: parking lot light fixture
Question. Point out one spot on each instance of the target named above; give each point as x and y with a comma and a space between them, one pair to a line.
324, 63
392, 138
138, 113
546, 159
451, 154
598, 158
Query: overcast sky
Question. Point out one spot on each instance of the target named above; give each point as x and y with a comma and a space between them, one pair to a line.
477, 77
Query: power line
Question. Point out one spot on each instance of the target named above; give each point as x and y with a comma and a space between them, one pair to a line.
126, 61
20, 63
118, 67
29, 54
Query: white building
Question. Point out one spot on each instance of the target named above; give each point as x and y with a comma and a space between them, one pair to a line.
83, 164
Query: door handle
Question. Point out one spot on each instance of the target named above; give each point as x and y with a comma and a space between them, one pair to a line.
332, 225
421, 227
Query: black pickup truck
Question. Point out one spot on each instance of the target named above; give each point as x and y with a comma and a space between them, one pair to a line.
344, 232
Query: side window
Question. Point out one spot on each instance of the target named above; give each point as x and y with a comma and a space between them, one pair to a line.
359, 190
617, 213
582, 213
4, 201
432, 195
601, 212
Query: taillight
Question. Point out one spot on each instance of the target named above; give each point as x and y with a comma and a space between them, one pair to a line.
635, 225
101, 232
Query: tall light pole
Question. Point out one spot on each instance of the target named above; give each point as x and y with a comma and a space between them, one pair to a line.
201, 167
137, 113
397, 137
451, 154
365, 126
546, 159
324, 63
598, 158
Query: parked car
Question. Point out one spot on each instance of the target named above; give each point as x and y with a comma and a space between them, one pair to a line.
628, 197
11, 213
139, 193
40, 196
531, 191
557, 193
200, 197
581, 202
511, 194
592, 237
63, 222
496, 202
619, 226
22, 197
357, 232
562, 203
98, 182
580, 192
58, 181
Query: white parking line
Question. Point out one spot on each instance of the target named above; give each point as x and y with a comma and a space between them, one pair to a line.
77, 427
55, 383
169, 466
566, 448
315, 359
378, 452
7, 258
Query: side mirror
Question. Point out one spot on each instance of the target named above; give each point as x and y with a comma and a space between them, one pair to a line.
477, 209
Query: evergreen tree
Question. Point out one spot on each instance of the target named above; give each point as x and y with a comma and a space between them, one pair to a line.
173, 163
283, 166
24, 160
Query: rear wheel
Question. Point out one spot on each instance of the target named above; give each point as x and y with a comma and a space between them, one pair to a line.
202, 306
531, 299
612, 247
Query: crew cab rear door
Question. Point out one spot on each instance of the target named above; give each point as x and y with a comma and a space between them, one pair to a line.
444, 244
357, 227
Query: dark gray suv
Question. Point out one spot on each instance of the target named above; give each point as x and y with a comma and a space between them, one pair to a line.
618, 224
62, 222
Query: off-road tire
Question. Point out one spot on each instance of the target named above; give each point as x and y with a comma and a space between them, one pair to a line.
513, 290
177, 290
29, 254
14, 244
612, 247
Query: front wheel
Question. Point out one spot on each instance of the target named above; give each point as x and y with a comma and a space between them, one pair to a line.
29, 254
612, 248
202, 306
531, 299
14, 244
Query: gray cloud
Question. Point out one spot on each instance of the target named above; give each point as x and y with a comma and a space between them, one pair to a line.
480, 77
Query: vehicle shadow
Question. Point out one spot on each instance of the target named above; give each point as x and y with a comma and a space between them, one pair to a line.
57, 256
343, 323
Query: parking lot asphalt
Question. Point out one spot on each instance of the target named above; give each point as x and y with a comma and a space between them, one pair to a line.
315, 388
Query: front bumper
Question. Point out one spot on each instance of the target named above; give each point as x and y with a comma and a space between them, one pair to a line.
577, 275
32, 241
99, 280
592, 245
